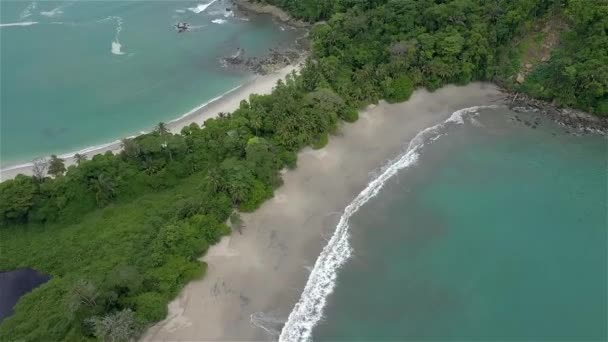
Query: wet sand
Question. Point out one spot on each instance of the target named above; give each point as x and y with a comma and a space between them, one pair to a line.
226, 103
255, 278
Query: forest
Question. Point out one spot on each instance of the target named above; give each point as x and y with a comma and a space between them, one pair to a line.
121, 234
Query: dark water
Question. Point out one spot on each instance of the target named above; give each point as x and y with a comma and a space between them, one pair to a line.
499, 233
14, 284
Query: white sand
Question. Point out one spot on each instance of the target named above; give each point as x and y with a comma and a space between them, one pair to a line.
227, 103
254, 279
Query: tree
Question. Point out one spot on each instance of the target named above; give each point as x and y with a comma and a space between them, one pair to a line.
56, 166
399, 89
79, 158
39, 167
130, 148
104, 189
215, 180
161, 129
237, 222
121, 326
83, 294
17, 199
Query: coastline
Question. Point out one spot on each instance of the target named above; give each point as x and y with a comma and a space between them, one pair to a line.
575, 121
254, 279
263, 8
226, 103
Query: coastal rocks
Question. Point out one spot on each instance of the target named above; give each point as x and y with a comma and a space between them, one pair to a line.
275, 59
572, 120
262, 8
182, 27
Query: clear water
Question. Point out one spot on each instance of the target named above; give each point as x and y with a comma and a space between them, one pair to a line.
66, 83
499, 233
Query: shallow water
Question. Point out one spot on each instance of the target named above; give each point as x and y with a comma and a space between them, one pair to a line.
14, 284
497, 233
90, 72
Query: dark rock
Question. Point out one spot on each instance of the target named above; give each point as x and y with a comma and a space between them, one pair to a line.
572, 119
275, 59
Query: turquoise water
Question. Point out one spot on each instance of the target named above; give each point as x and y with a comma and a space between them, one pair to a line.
498, 233
90, 72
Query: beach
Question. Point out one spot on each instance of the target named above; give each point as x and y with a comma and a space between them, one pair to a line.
254, 279
226, 103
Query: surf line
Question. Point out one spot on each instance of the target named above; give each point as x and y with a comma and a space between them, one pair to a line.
308, 311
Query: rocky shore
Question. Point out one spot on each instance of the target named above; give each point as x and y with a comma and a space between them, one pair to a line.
262, 8
575, 121
275, 59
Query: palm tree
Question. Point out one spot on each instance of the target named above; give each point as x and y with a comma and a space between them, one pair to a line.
238, 191
161, 129
215, 180
79, 158
256, 122
104, 189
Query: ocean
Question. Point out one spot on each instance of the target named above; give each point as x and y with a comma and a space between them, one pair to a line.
485, 229
81, 73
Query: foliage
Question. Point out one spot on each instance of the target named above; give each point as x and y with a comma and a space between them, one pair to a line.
576, 75
121, 234
56, 166
118, 327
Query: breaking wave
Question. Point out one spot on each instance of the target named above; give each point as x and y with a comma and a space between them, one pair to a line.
52, 13
219, 21
309, 309
116, 48
23, 23
200, 7
28, 10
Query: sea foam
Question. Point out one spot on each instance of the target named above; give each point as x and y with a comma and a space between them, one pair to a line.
116, 47
23, 23
28, 10
219, 21
200, 7
322, 280
52, 13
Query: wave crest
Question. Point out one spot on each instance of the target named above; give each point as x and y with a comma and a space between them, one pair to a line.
322, 280
200, 7
23, 23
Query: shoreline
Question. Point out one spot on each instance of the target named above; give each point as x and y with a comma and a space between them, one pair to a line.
226, 102
571, 119
274, 11
254, 279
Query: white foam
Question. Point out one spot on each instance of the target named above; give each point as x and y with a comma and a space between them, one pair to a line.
200, 7
219, 21
180, 11
28, 10
23, 23
116, 48
322, 280
52, 13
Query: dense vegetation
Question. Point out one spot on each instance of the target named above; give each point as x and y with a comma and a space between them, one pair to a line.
368, 50
121, 233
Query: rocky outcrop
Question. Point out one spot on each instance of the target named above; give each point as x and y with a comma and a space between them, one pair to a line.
274, 60
263, 8
575, 121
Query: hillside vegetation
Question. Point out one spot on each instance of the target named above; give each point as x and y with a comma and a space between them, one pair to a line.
121, 234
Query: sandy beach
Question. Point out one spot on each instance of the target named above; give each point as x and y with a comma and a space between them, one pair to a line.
255, 278
261, 84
